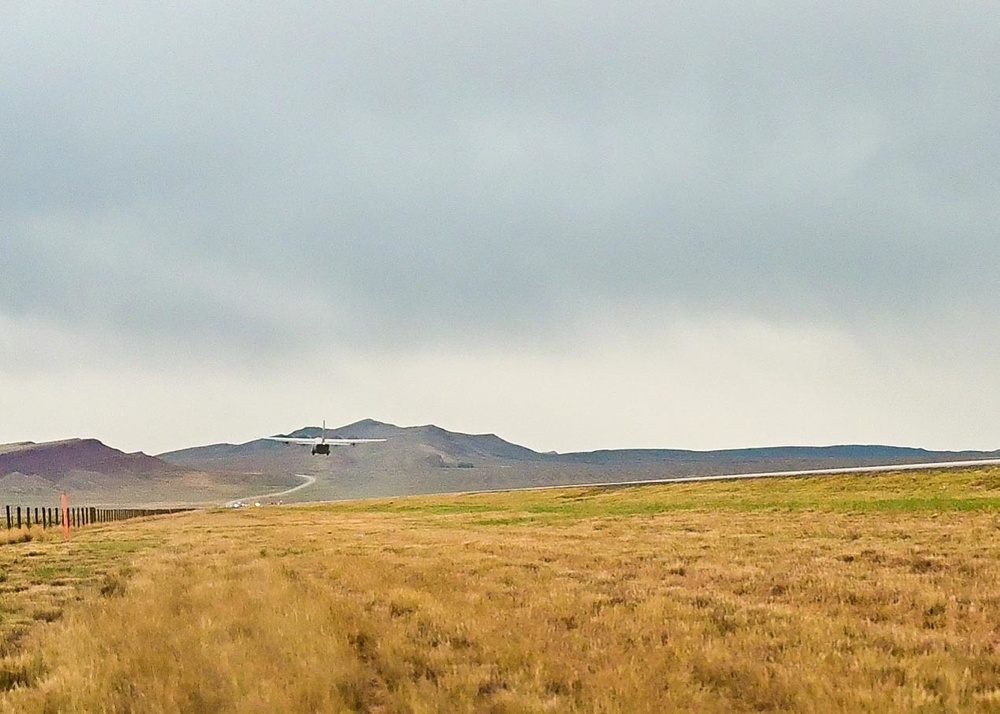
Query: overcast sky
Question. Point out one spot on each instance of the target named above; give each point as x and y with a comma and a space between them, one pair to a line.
578, 225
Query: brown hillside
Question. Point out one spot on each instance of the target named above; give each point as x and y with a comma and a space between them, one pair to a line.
56, 460
94, 474
429, 459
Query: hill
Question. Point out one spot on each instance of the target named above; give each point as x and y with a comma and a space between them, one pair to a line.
94, 473
778, 457
56, 461
429, 459
419, 459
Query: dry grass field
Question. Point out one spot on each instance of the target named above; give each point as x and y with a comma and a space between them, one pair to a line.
857, 593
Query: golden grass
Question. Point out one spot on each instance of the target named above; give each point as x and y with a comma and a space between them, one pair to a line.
847, 594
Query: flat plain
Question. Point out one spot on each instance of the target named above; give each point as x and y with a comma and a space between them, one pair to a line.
848, 593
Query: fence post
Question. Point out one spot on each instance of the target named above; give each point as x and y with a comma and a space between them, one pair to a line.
64, 514
8, 518
19, 517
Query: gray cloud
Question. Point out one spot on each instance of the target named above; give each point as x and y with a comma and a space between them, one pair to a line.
493, 171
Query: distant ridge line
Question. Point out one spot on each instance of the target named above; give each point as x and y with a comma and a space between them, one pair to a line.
803, 473
495, 446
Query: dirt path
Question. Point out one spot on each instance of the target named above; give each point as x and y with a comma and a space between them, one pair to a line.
309, 481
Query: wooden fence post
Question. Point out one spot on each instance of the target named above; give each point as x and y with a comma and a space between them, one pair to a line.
64, 514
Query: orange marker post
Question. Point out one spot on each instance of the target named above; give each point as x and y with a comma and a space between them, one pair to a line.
65, 516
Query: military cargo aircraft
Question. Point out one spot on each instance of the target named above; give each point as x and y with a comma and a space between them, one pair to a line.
320, 444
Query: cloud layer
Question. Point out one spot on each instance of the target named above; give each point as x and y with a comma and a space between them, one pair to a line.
251, 188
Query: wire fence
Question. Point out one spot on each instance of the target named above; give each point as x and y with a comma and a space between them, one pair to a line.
75, 517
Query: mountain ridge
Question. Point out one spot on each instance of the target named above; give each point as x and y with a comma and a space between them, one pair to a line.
412, 460
54, 460
865, 452
448, 448
90, 471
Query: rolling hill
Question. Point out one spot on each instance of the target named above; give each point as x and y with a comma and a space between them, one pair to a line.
57, 461
412, 460
429, 459
96, 474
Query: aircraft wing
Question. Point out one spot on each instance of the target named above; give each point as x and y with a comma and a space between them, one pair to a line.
350, 442
318, 440
292, 440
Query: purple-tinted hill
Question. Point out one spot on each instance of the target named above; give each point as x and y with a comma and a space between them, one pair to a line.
56, 460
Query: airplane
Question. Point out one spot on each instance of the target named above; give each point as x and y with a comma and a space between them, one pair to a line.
321, 445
